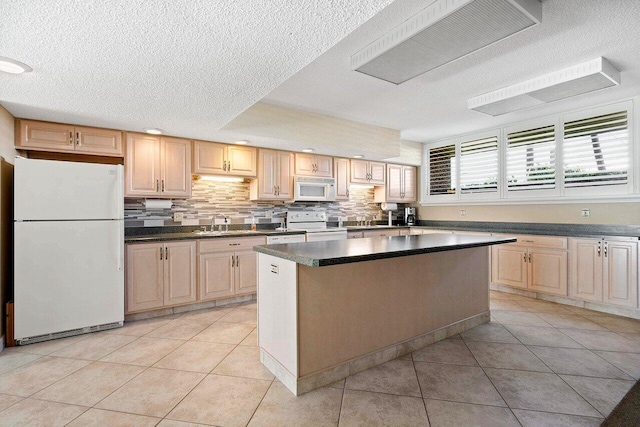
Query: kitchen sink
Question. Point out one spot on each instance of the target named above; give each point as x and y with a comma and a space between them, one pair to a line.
222, 233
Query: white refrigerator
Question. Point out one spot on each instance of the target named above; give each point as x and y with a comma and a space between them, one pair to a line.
68, 248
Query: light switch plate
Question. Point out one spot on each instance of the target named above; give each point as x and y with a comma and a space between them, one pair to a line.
586, 213
178, 216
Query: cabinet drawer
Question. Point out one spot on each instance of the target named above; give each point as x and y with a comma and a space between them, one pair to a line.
230, 244
381, 233
538, 241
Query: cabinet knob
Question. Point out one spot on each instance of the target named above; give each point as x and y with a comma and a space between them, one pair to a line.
157, 185
70, 138
160, 254
78, 139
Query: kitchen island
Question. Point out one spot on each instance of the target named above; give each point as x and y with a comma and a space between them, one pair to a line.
327, 310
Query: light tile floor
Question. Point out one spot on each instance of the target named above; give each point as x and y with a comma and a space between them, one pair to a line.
535, 364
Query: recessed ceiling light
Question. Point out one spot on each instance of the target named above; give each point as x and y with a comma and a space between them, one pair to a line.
154, 131
358, 156
308, 150
242, 142
12, 66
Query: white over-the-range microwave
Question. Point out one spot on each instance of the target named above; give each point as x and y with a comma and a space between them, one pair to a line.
312, 189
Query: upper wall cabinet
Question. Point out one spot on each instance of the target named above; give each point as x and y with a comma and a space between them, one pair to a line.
275, 176
341, 170
312, 165
222, 159
365, 172
401, 185
157, 167
61, 138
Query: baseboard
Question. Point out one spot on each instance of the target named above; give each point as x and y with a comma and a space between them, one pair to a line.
168, 311
327, 376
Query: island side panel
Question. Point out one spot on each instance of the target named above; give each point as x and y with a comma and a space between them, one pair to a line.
277, 310
349, 310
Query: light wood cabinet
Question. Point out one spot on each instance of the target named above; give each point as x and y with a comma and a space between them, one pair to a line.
160, 275
342, 173
222, 159
313, 165
400, 187
366, 172
540, 266
63, 138
604, 270
158, 167
228, 267
275, 176
354, 234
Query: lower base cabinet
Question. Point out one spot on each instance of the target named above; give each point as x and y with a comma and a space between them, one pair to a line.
228, 267
604, 270
539, 265
160, 275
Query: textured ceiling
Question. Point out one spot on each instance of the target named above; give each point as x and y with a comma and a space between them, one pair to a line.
433, 106
185, 66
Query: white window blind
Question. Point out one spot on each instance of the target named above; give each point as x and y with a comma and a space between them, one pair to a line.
531, 159
442, 170
596, 151
479, 165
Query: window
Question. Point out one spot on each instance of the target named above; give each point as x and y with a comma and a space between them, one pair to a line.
479, 166
442, 170
596, 151
531, 159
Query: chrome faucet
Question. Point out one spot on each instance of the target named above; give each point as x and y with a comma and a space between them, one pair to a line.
226, 223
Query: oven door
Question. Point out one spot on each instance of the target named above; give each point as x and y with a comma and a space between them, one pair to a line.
320, 236
309, 189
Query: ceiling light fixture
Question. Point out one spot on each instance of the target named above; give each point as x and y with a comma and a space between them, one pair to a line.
358, 156
12, 66
308, 150
220, 178
443, 32
576, 80
242, 142
154, 131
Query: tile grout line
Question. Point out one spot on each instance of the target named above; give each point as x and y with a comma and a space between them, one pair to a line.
424, 403
489, 378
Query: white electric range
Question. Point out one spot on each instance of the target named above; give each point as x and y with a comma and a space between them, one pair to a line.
314, 224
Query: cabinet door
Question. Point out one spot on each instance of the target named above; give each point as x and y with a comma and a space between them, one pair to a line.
394, 183
103, 142
241, 161
44, 136
246, 272
215, 275
179, 273
145, 275
285, 175
585, 269
409, 184
324, 166
341, 169
508, 266
620, 273
208, 158
267, 174
305, 164
377, 171
359, 171
142, 165
548, 271
176, 167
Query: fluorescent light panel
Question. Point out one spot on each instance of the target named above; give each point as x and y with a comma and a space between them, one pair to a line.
576, 80
443, 32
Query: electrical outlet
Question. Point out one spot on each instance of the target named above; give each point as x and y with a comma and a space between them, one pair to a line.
178, 216
463, 212
586, 213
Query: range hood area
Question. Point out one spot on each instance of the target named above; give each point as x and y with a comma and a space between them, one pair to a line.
441, 33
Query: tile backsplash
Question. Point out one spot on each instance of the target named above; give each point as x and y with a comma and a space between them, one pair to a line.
209, 198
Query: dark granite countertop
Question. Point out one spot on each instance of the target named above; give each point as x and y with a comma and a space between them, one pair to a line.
549, 229
319, 254
161, 237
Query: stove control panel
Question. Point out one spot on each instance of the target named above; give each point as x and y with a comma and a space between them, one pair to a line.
307, 216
